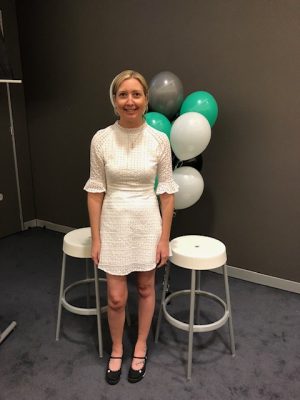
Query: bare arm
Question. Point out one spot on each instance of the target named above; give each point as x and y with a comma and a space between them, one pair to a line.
94, 201
167, 208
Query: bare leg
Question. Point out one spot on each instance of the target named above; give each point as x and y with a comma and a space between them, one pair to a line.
117, 297
146, 292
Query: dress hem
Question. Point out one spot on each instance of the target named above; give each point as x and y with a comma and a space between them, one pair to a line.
108, 270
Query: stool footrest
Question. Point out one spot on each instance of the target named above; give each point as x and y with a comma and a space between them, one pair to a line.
200, 327
80, 310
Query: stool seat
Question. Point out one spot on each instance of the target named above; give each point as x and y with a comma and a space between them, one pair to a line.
78, 243
197, 252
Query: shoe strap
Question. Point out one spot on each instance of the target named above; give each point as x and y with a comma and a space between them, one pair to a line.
115, 358
140, 358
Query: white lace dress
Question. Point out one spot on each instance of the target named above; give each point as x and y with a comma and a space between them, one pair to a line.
124, 164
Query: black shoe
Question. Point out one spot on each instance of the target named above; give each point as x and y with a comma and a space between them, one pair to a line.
135, 375
113, 377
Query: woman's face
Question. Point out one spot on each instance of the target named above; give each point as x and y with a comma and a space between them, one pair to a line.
131, 103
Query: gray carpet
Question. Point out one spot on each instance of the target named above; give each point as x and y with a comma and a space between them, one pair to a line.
33, 366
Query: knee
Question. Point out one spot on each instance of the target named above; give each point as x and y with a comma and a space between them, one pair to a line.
116, 303
145, 290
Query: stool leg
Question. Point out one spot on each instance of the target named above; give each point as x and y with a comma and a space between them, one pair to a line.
198, 280
191, 325
198, 275
98, 308
62, 283
87, 275
163, 296
232, 343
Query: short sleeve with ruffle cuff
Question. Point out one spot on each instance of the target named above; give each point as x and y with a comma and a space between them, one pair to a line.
167, 187
93, 186
166, 183
97, 181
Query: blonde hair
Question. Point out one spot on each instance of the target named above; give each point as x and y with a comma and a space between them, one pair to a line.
121, 77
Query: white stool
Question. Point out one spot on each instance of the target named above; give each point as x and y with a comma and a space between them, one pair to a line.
196, 253
77, 243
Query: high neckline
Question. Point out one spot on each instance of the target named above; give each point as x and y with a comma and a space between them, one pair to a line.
130, 130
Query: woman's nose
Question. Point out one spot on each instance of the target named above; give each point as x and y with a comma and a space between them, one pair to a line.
129, 99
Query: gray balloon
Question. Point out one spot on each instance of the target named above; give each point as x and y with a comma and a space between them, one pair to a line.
166, 93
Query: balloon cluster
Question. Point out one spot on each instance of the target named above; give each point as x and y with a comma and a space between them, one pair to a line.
187, 123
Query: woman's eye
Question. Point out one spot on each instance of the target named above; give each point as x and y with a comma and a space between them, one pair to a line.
122, 94
137, 95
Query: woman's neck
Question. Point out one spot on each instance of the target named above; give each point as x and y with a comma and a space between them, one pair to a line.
131, 124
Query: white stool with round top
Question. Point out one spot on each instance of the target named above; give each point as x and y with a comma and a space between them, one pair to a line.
196, 253
77, 243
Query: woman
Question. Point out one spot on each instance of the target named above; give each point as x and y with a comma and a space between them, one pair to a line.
129, 234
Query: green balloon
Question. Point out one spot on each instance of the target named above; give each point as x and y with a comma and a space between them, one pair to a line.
159, 121
156, 183
203, 103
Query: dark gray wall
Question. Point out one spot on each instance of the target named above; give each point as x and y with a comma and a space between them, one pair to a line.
9, 209
245, 53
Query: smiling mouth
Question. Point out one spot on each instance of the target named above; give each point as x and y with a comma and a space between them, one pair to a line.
130, 109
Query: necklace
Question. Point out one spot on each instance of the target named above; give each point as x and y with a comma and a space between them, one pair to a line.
132, 139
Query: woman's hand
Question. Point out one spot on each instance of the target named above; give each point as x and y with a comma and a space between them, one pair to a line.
162, 253
95, 251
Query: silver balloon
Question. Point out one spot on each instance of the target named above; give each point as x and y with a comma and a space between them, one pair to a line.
166, 93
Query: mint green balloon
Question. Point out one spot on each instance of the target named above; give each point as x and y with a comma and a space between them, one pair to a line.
156, 183
203, 103
159, 121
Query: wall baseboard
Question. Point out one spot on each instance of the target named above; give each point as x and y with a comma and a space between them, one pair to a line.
234, 272
30, 224
261, 279
39, 223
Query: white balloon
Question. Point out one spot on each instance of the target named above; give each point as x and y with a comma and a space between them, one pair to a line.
190, 135
191, 187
